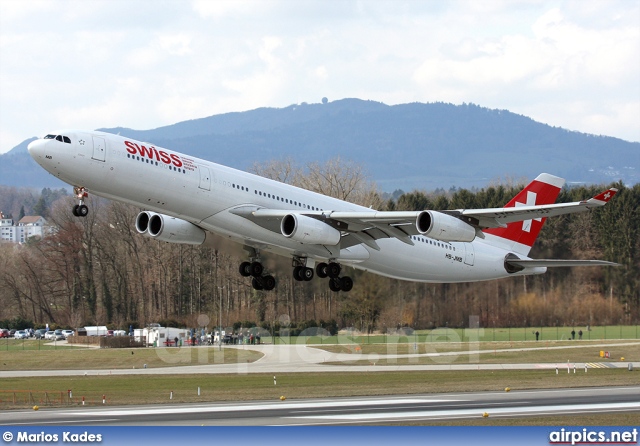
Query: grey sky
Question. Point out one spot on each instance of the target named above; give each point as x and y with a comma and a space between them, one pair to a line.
144, 64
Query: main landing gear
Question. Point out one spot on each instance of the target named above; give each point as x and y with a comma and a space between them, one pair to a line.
255, 269
80, 209
301, 273
331, 270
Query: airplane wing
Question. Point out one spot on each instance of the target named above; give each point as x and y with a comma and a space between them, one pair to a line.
357, 227
368, 226
499, 217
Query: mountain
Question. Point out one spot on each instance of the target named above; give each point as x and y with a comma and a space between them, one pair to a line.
407, 146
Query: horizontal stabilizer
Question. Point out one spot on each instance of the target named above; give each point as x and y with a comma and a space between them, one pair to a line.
552, 263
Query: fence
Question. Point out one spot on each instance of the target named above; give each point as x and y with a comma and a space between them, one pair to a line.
108, 341
28, 398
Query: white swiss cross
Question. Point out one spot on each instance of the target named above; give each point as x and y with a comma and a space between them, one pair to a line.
607, 195
531, 201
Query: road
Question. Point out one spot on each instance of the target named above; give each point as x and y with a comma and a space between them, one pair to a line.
339, 411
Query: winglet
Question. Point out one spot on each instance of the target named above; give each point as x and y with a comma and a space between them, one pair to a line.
603, 197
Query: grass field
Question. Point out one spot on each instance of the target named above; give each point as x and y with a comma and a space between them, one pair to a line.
10, 344
73, 358
488, 334
80, 358
490, 352
25, 392
145, 389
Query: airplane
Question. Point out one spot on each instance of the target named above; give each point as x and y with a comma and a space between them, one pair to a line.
186, 199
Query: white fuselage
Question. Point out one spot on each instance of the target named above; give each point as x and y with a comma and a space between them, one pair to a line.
203, 193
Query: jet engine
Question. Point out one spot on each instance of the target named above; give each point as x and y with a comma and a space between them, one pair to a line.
444, 227
308, 230
142, 222
169, 229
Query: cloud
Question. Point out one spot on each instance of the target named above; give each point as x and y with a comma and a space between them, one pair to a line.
228, 8
147, 64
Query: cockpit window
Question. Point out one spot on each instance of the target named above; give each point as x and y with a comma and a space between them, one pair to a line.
60, 138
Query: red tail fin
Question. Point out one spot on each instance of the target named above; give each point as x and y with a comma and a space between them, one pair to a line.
522, 234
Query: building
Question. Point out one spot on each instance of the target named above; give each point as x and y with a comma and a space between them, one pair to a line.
28, 226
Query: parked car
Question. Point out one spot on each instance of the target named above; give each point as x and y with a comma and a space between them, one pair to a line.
4, 333
67, 333
21, 334
58, 336
39, 333
49, 335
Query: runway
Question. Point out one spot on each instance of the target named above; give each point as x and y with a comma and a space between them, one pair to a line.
345, 411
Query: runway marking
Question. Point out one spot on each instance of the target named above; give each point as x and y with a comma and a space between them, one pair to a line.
100, 420
493, 411
600, 365
248, 407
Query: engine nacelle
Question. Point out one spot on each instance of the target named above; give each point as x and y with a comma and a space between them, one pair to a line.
308, 230
444, 227
169, 229
142, 222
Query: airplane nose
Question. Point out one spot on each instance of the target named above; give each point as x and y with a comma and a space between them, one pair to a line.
36, 148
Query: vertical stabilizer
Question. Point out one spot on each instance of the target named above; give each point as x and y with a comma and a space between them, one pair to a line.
521, 235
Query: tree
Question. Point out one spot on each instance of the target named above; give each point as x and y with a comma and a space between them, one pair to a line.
41, 207
101, 269
336, 178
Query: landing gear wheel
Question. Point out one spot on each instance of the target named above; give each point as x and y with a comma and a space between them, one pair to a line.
321, 270
297, 273
80, 210
256, 283
256, 269
333, 270
306, 274
302, 273
245, 269
334, 284
346, 284
268, 283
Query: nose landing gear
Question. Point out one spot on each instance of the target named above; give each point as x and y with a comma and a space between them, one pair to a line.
80, 209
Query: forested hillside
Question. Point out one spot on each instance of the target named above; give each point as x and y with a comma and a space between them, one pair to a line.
404, 146
98, 270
